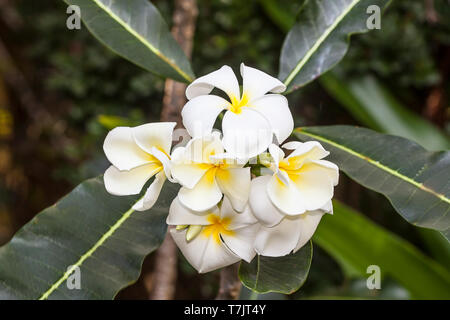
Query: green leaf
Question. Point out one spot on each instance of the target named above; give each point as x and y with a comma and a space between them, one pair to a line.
370, 103
110, 122
135, 30
89, 229
416, 181
319, 39
437, 245
356, 243
281, 274
283, 18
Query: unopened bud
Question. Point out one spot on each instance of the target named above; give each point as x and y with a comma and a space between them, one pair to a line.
192, 232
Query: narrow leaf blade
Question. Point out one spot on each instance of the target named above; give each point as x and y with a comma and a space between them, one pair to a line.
319, 39
356, 243
90, 229
416, 181
374, 106
135, 30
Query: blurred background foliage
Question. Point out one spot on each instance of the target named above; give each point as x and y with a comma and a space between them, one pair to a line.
61, 91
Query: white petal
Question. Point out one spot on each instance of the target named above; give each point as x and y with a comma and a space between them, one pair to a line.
276, 153
200, 113
292, 145
257, 83
241, 241
309, 222
164, 160
205, 195
279, 240
191, 163
201, 149
247, 134
152, 193
235, 184
262, 208
178, 154
310, 188
315, 183
332, 169
123, 183
287, 198
158, 135
122, 151
310, 150
223, 79
274, 107
204, 253
328, 208
237, 220
188, 175
181, 215
228, 159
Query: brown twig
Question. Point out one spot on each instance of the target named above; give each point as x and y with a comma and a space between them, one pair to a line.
430, 13
9, 15
437, 99
183, 29
230, 286
184, 17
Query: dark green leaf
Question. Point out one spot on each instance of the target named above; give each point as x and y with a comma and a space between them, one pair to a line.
319, 39
88, 228
437, 245
281, 274
356, 243
370, 103
135, 30
416, 181
280, 15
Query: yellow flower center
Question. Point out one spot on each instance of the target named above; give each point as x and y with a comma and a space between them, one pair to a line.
154, 164
292, 167
214, 170
236, 104
217, 227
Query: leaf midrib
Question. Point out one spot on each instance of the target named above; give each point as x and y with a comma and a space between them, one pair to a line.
144, 41
317, 44
88, 253
377, 164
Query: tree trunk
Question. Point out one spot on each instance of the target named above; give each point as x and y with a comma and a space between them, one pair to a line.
184, 17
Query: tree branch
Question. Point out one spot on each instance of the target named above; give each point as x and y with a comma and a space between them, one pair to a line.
184, 17
183, 29
230, 286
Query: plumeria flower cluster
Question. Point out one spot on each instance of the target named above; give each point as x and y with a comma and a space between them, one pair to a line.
223, 213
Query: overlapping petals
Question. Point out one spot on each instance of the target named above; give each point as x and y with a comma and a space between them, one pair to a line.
136, 155
224, 236
205, 173
221, 215
290, 203
301, 181
251, 119
290, 234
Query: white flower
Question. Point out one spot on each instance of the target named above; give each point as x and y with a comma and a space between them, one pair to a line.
290, 203
205, 173
301, 182
137, 154
221, 236
251, 119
